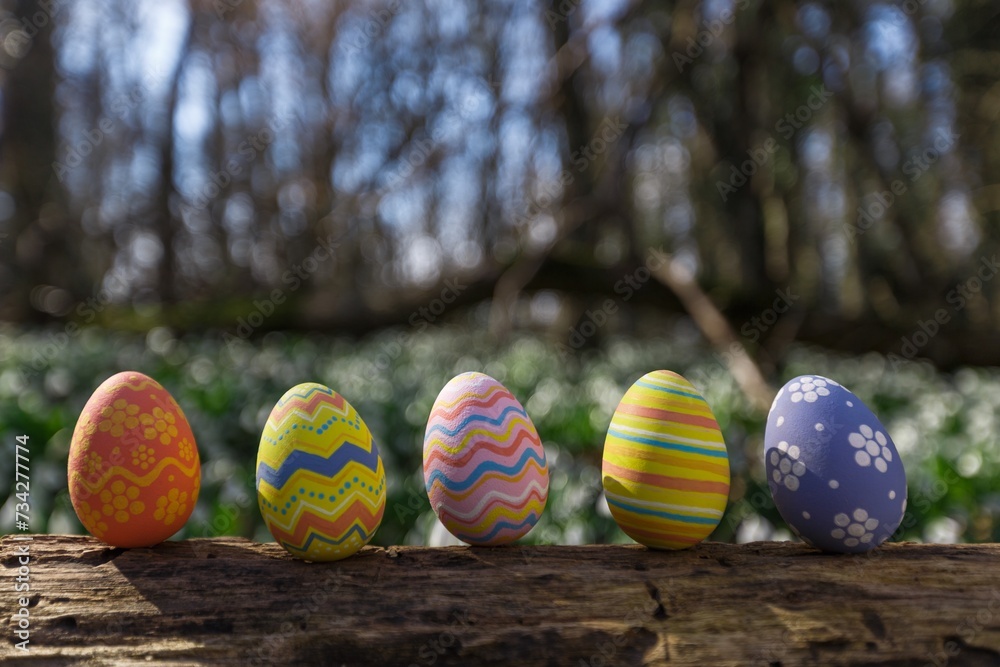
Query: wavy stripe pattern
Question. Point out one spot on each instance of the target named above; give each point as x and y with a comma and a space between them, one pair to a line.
484, 465
665, 465
320, 479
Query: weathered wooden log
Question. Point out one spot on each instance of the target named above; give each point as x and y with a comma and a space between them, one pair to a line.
235, 602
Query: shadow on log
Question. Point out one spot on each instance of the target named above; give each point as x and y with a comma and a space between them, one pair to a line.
230, 601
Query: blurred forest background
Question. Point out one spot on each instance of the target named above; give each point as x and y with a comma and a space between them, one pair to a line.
236, 196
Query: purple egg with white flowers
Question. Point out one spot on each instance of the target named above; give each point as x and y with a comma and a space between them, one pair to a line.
834, 472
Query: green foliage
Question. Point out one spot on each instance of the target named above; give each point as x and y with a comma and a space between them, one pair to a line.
943, 425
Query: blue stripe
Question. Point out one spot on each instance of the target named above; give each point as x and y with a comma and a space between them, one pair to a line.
530, 520
475, 418
314, 536
666, 444
483, 468
328, 467
678, 392
666, 515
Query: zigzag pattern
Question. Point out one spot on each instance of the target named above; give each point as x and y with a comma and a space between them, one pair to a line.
320, 479
356, 518
665, 466
329, 466
484, 465
354, 483
307, 402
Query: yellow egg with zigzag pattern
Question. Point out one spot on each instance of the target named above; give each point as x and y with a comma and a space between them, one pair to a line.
320, 479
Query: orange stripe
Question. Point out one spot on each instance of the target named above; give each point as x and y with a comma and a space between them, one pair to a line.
646, 453
638, 535
668, 415
665, 482
357, 511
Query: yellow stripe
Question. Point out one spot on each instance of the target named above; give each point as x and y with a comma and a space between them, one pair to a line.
666, 429
142, 385
274, 454
143, 481
674, 467
304, 477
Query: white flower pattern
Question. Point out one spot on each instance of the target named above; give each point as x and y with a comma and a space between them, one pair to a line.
808, 389
858, 528
787, 467
819, 415
872, 448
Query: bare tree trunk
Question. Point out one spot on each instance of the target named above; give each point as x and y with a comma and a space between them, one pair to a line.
166, 223
39, 239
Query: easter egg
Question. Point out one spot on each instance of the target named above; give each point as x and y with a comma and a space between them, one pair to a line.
320, 479
484, 465
834, 472
134, 472
665, 465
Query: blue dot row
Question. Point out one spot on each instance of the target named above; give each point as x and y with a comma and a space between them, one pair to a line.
321, 496
320, 431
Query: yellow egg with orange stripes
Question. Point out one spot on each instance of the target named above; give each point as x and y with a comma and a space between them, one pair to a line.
134, 471
665, 466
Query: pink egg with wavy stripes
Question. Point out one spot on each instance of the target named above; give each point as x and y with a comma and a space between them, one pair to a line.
484, 464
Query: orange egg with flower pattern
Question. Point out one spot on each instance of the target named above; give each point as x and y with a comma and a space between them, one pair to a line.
134, 472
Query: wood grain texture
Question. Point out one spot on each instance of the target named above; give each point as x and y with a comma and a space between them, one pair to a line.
234, 602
